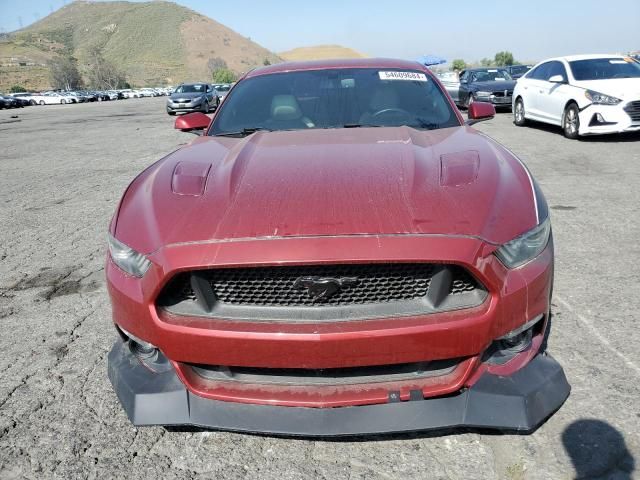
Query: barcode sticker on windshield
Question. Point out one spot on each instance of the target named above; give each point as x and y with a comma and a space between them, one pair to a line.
411, 76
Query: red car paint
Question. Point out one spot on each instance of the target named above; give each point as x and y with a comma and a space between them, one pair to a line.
386, 195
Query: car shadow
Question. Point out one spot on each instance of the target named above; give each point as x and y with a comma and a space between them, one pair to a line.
597, 450
608, 138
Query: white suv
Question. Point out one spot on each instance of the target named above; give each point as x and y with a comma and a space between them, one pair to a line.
584, 94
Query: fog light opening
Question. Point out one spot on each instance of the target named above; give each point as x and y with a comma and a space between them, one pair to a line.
508, 346
139, 347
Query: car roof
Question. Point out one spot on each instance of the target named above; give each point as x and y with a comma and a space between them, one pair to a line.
337, 63
482, 69
590, 56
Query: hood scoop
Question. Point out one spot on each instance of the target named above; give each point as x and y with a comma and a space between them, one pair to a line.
460, 168
190, 178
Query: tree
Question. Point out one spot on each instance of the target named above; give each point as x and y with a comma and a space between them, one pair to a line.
17, 89
503, 59
103, 74
64, 74
486, 62
266, 62
216, 63
224, 75
458, 64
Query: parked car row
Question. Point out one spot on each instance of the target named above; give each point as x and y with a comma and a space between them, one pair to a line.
78, 96
583, 94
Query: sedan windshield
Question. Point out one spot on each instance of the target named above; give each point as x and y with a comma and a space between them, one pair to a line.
334, 98
605, 68
195, 88
490, 75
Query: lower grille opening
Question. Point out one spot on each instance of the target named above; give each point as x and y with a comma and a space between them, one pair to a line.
328, 376
321, 292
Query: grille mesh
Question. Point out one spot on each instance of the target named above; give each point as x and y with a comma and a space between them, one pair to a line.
633, 109
275, 286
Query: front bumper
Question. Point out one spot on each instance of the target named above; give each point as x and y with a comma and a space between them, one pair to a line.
184, 107
518, 402
616, 120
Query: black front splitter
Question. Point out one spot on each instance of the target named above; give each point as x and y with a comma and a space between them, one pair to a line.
520, 402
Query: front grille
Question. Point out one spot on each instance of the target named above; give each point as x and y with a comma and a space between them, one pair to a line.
275, 286
327, 376
321, 291
501, 93
633, 110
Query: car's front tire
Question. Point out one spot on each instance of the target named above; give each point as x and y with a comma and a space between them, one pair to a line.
571, 121
205, 107
518, 113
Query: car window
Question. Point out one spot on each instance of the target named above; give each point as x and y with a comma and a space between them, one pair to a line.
490, 75
464, 77
194, 88
540, 72
335, 98
556, 68
605, 68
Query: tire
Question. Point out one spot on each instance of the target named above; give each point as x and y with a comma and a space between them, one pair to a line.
205, 107
571, 121
63, 101
518, 113
171, 113
32, 102
41, 102
468, 101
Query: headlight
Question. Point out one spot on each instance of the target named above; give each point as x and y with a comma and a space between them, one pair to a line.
127, 259
526, 247
483, 94
601, 98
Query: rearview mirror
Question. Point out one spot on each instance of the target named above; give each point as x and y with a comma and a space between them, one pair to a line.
557, 79
479, 111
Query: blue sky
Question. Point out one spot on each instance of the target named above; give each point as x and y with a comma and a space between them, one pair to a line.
466, 29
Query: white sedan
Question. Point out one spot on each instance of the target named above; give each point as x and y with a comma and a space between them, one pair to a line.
50, 98
584, 94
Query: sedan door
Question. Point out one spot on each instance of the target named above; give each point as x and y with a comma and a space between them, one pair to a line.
555, 94
531, 86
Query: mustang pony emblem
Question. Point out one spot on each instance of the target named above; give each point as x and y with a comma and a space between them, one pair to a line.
322, 288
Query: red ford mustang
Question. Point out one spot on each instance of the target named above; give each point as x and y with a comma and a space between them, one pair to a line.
338, 253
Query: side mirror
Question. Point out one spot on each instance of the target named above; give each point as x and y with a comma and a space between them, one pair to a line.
192, 121
479, 111
557, 79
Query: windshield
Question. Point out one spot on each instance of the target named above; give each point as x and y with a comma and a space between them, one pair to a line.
195, 88
490, 75
223, 88
605, 69
334, 98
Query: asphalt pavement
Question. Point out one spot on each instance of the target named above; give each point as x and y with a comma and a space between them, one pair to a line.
62, 171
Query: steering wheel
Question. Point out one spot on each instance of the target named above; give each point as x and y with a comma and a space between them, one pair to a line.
393, 111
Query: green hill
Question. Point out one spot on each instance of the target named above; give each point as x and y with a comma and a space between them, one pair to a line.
153, 43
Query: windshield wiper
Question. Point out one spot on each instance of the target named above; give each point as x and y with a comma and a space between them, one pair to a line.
359, 125
242, 133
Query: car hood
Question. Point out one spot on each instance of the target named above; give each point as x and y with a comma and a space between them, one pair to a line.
368, 181
622, 88
493, 85
176, 96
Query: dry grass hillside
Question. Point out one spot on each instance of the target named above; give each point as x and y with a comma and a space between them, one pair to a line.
153, 43
320, 52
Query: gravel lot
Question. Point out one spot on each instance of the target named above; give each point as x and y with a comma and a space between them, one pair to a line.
62, 171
